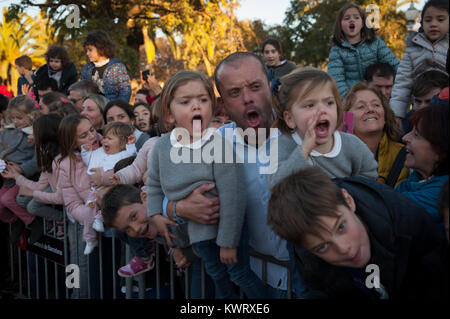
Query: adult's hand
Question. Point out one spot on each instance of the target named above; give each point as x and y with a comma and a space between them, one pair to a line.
96, 178
197, 207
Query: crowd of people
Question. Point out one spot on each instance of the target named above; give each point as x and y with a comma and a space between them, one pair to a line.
360, 155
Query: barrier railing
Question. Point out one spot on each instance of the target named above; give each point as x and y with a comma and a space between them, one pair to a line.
58, 269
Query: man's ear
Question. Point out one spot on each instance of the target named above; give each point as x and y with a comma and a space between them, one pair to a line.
144, 197
349, 200
131, 139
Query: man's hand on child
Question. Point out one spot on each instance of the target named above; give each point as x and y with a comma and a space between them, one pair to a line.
199, 208
179, 258
228, 255
161, 223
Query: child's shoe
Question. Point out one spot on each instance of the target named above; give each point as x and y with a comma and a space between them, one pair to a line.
137, 266
98, 223
90, 245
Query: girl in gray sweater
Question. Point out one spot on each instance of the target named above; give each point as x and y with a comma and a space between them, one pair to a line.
180, 162
309, 113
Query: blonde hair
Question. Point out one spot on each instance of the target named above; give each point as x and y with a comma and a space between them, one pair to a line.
302, 80
24, 105
179, 79
391, 128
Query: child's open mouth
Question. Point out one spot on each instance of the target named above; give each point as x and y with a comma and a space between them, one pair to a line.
197, 123
322, 128
352, 27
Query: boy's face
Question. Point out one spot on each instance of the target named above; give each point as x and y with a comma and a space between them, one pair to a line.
132, 219
55, 63
385, 84
424, 100
20, 69
112, 144
345, 243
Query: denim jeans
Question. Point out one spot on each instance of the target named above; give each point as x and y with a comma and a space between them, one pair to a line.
140, 247
239, 273
196, 282
40, 209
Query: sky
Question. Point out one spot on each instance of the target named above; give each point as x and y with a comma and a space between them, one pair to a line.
272, 11
269, 11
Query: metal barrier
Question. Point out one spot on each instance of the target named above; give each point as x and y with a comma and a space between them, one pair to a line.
56, 255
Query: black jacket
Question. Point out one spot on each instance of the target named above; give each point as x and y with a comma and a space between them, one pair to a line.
409, 248
68, 77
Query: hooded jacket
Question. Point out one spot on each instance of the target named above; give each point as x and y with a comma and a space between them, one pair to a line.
406, 245
420, 56
347, 63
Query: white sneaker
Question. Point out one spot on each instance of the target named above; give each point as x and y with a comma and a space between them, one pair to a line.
98, 226
90, 245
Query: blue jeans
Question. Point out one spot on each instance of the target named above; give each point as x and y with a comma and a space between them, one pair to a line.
139, 247
239, 273
196, 282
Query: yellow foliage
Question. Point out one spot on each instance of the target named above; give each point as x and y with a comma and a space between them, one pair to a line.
22, 36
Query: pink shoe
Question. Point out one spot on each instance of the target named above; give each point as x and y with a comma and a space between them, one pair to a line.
136, 266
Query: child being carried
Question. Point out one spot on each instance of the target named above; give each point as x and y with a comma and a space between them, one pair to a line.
117, 144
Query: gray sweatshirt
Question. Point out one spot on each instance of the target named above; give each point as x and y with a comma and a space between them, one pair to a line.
349, 157
176, 180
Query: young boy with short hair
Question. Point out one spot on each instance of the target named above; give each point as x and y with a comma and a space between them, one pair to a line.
24, 66
427, 85
357, 238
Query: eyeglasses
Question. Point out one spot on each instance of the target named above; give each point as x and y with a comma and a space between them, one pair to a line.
74, 101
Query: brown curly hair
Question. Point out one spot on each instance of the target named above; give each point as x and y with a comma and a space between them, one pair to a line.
58, 52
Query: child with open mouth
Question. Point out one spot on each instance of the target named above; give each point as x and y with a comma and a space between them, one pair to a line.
308, 113
117, 144
188, 102
355, 47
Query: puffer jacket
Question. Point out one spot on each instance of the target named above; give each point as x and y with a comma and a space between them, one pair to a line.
420, 56
116, 82
15, 147
347, 63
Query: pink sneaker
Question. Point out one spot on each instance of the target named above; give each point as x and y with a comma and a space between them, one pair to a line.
136, 266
